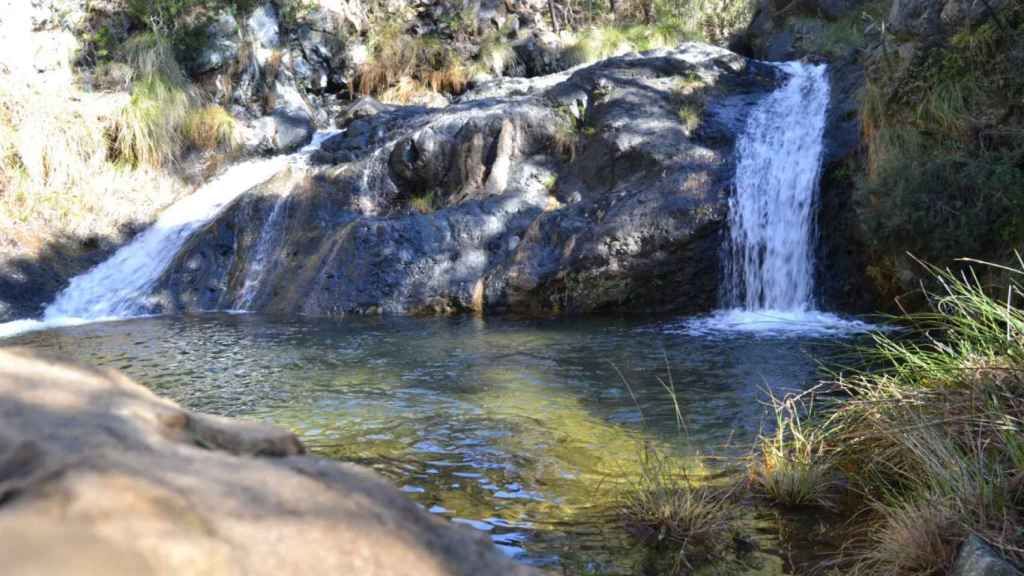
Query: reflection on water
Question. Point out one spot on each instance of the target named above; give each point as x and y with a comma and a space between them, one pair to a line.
523, 429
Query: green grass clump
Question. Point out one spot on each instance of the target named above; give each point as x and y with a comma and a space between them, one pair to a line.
149, 130
930, 438
497, 56
597, 43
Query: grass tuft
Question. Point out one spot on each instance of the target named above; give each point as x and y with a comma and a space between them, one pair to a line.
498, 57
790, 467
674, 508
396, 58
597, 43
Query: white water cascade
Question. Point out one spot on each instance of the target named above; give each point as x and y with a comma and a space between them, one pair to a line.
769, 270
121, 286
771, 218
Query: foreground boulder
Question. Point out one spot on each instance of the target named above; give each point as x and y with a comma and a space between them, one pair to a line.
100, 476
601, 188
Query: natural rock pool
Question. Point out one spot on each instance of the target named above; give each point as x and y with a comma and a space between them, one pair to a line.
521, 428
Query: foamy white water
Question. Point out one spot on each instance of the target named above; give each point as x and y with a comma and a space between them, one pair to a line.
769, 271
773, 323
121, 286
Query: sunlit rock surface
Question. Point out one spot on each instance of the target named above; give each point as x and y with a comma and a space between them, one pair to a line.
597, 188
100, 476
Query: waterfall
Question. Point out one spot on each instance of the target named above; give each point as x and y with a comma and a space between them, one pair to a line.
769, 264
121, 287
771, 216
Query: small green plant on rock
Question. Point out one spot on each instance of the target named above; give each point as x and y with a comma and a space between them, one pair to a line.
690, 115
424, 204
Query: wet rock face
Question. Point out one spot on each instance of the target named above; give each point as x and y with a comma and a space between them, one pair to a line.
576, 192
123, 482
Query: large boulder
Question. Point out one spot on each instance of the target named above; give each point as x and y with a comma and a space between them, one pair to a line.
602, 188
221, 48
100, 476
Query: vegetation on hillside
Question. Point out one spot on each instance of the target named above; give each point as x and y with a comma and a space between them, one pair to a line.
639, 26
944, 132
402, 67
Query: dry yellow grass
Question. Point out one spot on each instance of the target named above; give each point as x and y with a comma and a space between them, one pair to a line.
396, 58
211, 128
56, 174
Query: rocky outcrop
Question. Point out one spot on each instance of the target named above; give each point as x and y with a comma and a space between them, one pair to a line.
577, 192
928, 19
100, 476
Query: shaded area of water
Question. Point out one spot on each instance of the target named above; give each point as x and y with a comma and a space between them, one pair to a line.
524, 429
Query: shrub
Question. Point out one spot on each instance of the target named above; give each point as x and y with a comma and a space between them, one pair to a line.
169, 16
945, 164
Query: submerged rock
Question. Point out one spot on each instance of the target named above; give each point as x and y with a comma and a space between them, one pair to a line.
604, 187
118, 481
